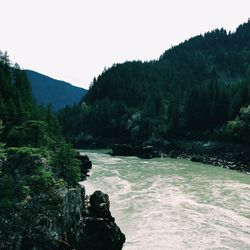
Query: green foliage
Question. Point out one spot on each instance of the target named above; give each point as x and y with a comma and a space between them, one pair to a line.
1, 144
2, 151
16, 101
28, 151
235, 130
7, 191
28, 172
245, 114
193, 90
30, 133
66, 166
238, 130
25, 173
41, 181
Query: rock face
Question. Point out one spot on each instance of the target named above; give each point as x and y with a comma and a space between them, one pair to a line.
54, 226
100, 229
58, 218
66, 221
85, 165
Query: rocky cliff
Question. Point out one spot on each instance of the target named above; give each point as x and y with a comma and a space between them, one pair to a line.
62, 218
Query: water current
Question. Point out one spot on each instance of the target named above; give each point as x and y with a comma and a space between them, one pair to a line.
165, 203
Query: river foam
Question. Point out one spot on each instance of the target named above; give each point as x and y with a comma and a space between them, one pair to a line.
174, 204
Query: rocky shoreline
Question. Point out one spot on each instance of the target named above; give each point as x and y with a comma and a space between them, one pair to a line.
225, 160
234, 157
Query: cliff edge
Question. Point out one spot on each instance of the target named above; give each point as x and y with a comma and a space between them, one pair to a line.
60, 218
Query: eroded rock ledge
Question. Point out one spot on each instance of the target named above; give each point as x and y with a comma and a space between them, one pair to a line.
65, 221
60, 218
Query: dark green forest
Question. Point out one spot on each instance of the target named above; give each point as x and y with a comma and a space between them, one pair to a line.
34, 157
198, 90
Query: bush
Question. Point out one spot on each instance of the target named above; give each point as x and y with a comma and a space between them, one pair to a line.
41, 182
235, 130
25, 173
28, 151
7, 191
66, 165
30, 133
2, 151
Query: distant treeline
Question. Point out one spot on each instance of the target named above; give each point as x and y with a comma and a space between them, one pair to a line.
196, 90
34, 157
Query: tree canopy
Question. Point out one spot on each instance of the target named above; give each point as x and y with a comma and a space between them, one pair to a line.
191, 92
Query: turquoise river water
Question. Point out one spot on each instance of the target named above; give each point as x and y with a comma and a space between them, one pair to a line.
165, 203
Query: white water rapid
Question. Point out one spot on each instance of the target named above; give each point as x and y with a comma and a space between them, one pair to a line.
173, 204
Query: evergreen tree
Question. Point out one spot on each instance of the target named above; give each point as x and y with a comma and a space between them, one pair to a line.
192, 91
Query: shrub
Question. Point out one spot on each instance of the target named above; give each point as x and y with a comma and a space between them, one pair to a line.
7, 191
66, 165
30, 133
28, 151
41, 181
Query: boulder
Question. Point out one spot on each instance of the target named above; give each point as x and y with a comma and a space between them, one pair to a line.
147, 152
101, 231
196, 159
85, 162
123, 150
99, 205
85, 165
63, 221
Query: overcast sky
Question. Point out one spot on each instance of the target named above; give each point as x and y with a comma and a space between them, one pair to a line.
73, 40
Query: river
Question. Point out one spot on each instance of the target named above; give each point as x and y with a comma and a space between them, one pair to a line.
167, 204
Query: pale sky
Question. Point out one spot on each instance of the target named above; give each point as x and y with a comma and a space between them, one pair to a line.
73, 40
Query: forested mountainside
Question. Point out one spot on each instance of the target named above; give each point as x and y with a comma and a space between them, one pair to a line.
42, 205
47, 90
27, 129
196, 90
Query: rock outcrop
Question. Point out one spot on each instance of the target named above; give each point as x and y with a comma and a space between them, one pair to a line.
123, 150
65, 220
100, 229
144, 152
85, 165
58, 218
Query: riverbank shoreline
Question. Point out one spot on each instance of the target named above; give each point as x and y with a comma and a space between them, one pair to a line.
225, 161
161, 202
233, 157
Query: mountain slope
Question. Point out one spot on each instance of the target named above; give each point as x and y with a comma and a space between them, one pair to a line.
47, 90
191, 92
216, 54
